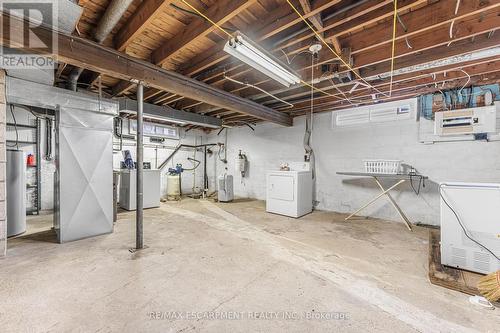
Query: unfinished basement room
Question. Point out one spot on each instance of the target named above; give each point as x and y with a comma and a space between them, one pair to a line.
250, 166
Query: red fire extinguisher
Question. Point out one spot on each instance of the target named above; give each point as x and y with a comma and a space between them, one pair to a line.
31, 160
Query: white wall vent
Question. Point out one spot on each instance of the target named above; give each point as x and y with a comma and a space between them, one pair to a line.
379, 113
153, 129
351, 117
390, 114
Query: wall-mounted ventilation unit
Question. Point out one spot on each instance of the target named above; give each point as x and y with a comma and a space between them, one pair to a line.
157, 130
390, 114
351, 117
466, 121
381, 113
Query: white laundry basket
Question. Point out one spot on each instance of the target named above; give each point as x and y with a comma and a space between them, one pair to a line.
383, 166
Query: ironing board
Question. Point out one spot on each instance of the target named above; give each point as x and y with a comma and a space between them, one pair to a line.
398, 178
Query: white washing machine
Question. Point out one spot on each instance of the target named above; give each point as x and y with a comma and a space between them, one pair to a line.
290, 192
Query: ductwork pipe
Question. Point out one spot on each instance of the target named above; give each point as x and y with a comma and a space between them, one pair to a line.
113, 14
73, 78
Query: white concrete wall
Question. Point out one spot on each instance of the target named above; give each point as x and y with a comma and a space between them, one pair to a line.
343, 149
192, 181
155, 154
3, 213
337, 149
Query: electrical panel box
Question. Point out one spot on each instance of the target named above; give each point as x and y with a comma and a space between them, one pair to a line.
466, 121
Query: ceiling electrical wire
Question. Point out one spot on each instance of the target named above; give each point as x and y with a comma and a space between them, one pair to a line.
230, 36
290, 105
340, 91
195, 14
331, 49
207, 18
405, 30
408, 43
457, 7
288, 60
337, 88
466, 83
453, 22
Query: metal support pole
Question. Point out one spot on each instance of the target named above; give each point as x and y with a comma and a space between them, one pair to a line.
139, 241
205, 176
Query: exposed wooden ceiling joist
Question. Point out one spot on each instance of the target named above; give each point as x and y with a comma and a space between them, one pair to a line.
427, 18
479, 22
373, 15
365, 27
316, 20
90, 55
404, 81
463, 46
221, 12
146, 13
274, 23
412, 89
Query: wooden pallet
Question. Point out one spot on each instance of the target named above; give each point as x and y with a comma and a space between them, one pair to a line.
449, 277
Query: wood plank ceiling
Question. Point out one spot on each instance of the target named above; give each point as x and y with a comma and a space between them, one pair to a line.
173, 36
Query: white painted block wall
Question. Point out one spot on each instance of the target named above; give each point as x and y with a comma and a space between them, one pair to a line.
339, 149
344, 149
156, 155
3, 213
153, 155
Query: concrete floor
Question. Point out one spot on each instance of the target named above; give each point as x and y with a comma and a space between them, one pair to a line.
232, 268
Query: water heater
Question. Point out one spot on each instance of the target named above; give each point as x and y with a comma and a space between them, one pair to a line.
16, 193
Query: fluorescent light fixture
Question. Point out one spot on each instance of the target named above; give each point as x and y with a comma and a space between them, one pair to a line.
242, 48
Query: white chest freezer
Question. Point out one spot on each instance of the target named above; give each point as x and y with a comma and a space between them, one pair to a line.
151, 189
470, 226
289, 192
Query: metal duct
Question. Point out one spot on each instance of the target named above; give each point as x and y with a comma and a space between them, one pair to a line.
169, 114
109, 20
73, 77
